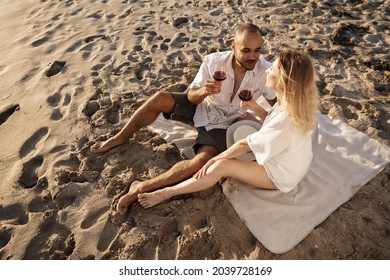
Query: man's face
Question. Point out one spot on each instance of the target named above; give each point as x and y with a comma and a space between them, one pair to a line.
247, 47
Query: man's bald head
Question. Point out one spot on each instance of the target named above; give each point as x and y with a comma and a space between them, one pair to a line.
246, 28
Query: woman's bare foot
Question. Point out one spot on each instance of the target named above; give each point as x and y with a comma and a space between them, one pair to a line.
148, 200
127, 199
103, 146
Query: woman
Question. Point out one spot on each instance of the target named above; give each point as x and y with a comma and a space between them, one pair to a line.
282, 146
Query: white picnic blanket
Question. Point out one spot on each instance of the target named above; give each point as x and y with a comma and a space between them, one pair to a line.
344, 160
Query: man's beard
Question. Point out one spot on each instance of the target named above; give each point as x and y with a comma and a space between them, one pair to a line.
247, 64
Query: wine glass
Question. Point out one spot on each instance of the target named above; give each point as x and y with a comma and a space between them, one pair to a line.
220, 72
245, 94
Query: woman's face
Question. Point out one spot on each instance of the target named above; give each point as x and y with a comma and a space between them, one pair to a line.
272, 75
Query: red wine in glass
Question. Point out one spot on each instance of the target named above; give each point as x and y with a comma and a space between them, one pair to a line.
219, 75
245, 95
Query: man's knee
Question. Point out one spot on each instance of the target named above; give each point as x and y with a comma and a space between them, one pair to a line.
163, 95
204, 154
163, 100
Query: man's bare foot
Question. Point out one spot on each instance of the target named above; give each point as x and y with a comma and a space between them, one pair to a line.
148, 200
103, 146
127, 199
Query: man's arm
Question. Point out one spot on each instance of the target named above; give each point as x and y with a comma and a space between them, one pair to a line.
196, 96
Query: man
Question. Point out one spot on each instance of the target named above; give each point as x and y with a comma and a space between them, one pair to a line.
212, 106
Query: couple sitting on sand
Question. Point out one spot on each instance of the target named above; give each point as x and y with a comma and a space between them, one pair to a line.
282, 147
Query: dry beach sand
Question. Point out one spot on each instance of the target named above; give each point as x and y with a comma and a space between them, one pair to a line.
72, 72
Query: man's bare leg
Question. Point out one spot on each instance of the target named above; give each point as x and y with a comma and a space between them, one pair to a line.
179, 172
161, 102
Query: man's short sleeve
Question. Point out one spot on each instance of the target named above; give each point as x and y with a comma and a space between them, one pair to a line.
203, 74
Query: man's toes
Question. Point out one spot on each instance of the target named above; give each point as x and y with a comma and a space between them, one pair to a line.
95, 147
121, 208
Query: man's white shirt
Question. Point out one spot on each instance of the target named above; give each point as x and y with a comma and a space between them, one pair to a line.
218, 110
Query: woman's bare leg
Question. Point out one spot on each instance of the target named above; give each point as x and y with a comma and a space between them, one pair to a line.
181, 171
247, 172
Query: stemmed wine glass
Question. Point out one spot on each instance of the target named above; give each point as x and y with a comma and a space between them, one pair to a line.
245, 94
220, 72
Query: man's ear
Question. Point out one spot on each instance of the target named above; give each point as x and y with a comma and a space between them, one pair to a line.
233, 46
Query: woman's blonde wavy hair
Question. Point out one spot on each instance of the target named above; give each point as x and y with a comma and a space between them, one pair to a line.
297, 90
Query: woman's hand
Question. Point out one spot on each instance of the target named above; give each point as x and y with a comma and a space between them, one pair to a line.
251, 104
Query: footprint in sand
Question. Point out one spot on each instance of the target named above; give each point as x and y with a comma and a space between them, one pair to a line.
56, 17
55, 100
176, 58
201, 236
167, 239
378, 64
67, 100
57, 114
180, 22
5, 236
107, 236
106, 58
75, 46
144, 70
29, 175
71, 194
350, 109
123, 68
41, 41
76, 12
7, 112
87, 40
13, 214
94, 38
96, 15
91, 108
348, 35
141, 246
55, 241
30, 144
91, 218
55, 68
180, 40
41, 204
126, 14
102, 109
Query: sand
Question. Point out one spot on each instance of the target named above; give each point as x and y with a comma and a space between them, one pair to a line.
72, 72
